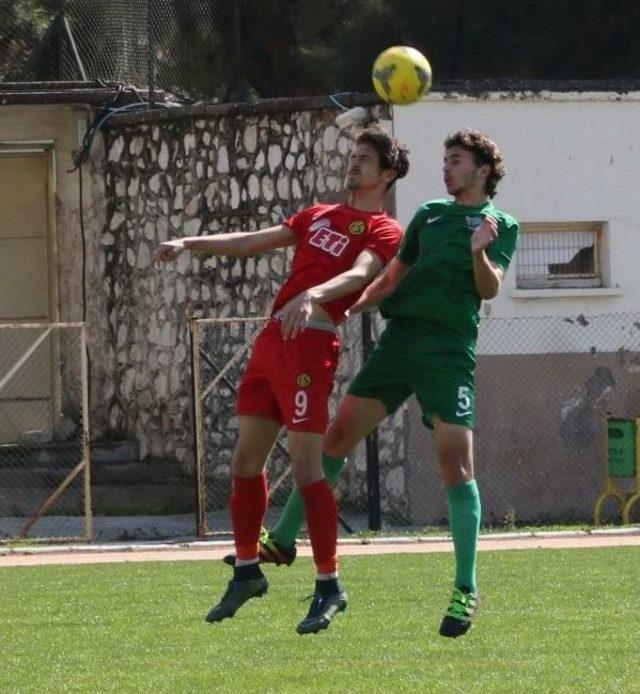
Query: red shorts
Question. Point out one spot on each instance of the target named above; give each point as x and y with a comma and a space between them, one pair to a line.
290, 381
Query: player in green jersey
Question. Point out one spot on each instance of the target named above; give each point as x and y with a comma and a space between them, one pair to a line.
454, 254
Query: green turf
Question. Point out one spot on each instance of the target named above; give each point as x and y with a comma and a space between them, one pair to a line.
444, 530
550, 621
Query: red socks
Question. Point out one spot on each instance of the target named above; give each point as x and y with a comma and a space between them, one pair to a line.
248, 507
322, 522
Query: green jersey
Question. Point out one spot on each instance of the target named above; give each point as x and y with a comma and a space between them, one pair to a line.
439, 287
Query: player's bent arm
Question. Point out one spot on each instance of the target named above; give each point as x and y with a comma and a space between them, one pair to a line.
365, 267
487, 275
381, 287
297, 312
238, 244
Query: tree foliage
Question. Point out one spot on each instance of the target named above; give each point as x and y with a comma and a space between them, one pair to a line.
304, 47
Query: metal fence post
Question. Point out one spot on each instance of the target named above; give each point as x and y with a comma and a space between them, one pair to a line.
373, 463
196, 410
86, 435
151, 58
241, 92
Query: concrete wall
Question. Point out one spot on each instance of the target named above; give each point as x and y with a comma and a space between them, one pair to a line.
60, 124
540, 439
59, 128
569, 157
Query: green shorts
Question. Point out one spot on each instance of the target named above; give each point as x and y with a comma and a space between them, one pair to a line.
416, 357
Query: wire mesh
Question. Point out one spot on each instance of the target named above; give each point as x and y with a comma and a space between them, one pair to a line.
43, 437
562, 255
543, 389
221, 351
223, 347
186, 48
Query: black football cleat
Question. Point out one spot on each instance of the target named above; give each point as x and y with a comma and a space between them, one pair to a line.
237, 593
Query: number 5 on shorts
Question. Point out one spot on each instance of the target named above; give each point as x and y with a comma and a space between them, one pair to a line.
464, 401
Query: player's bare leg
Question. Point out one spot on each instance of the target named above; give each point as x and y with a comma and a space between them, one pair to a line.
321, 513
355, 419
454, 444
248, 507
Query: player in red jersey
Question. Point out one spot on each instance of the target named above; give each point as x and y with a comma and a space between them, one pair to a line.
340, 248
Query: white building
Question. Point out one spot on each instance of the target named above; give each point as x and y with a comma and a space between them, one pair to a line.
572, 160
562, 346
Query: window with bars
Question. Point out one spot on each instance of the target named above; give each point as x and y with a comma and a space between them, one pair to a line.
559, 255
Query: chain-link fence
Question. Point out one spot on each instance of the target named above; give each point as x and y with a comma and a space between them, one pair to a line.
44, 432
543, 389
566, 373
190, 48
220, 350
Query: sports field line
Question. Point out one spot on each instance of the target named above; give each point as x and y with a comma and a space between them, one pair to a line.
216, 549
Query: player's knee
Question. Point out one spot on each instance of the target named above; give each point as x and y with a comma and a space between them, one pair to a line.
305, 472
338, 440
456, 467
246, 465
303, 478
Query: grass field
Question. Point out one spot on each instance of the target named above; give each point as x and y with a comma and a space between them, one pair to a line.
550, 621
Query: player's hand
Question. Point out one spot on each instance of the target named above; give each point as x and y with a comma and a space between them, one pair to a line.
295, 315
356, 307
168, 251
484, 235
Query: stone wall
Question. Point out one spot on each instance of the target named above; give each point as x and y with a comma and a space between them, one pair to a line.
203, 171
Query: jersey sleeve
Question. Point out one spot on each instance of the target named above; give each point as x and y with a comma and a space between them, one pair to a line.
385, 239
502, 250
411, 240
299, 222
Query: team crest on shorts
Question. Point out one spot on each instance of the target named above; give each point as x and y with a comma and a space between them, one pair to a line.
357, 227
303, 380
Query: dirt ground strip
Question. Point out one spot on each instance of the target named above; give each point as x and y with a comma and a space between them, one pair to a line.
205, 551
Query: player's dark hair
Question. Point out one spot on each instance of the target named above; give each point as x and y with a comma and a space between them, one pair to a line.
484, 150
391, 154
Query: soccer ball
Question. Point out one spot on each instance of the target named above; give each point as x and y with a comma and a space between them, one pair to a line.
401, 75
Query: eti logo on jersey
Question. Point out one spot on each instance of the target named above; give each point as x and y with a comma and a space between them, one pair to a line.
325, 237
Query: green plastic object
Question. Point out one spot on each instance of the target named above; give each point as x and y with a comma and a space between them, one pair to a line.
622, 447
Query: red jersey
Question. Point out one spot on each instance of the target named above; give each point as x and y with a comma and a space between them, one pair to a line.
330, 238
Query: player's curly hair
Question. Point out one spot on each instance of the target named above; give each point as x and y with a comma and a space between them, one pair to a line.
391, 154
484, 150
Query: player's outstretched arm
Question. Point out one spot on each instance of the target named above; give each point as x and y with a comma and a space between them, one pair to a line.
381, 287
238, 244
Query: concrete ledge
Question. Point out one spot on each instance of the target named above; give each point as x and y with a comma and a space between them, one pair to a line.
576, 292
627, 531
246, 108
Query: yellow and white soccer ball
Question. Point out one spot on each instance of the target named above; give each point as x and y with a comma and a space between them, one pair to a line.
401, 75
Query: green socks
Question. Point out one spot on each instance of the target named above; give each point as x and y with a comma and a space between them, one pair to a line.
292, 517
464, 517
